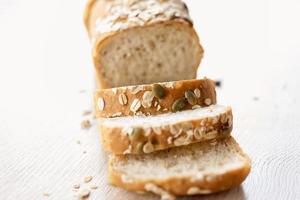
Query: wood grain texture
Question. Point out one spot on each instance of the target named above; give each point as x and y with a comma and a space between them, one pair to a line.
253, 47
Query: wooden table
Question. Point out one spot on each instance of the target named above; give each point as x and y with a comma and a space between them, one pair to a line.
45, 60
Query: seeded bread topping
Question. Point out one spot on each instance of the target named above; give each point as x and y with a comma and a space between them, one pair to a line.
141, 134
145, 100
124, 14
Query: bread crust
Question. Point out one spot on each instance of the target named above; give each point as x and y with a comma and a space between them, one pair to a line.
97, 11
173, 91
179, 186
160, 138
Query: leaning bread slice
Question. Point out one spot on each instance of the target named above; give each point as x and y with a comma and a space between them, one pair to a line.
139, 134
139, 42
200, 168
154, 99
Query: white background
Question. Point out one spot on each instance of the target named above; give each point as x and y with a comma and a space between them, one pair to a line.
45, 60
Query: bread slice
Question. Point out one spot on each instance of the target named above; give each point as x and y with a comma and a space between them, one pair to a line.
140, 42
147, 100
200, 168
139, 134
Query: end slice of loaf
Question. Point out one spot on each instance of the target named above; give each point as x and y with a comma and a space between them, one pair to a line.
139, 134
141, 99
140, 42
200, 168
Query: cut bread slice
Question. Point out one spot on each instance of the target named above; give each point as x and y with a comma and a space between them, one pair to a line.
154, 99
141, 42
200, 168
139, 134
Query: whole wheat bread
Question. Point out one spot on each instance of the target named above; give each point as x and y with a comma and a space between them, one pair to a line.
139, 134
140, 42
200, 168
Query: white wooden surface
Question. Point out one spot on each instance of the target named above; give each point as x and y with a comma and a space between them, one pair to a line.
252, 46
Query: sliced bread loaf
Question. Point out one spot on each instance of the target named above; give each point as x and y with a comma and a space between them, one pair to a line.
139, 42
200, 168
139, 134
154, 99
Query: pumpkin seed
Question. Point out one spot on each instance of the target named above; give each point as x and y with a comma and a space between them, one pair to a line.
139, 147
179, 104
148, 147
158, 91
191, 97
137, 134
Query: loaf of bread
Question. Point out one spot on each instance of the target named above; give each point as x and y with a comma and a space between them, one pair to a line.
139, 134
154, 99
142, 41
200, 168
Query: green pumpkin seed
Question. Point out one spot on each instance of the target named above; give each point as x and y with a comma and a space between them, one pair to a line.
179, 104
158, 91
139, 147
137, 135
191, 97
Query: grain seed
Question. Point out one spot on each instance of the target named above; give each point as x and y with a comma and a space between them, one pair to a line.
139, 148
196, 107
136, 89
93, 186
83, 193
158, 91
179, 104
76, 186
135, 106
207, 101
191, 97
86, 124
88, 179
197, 92
46, 194
101, 104
122, 99
147, 99
148, 147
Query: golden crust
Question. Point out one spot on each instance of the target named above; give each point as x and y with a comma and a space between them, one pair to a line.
179, 186
173, 90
